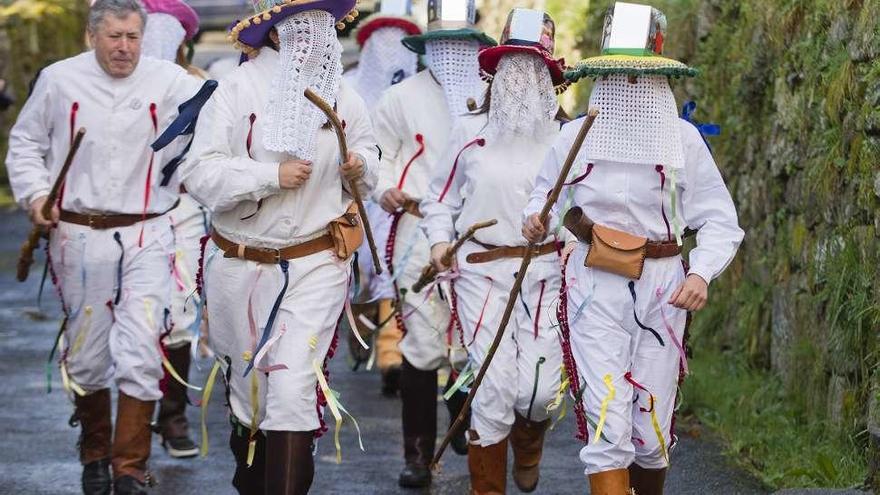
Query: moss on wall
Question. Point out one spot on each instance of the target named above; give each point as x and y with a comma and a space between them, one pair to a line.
32, 35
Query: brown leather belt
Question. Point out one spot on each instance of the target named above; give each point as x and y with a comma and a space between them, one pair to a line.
111, 221
661, 249
493, 253
269, 255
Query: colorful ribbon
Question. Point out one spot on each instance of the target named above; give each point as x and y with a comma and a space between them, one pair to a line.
206, 397
603, 412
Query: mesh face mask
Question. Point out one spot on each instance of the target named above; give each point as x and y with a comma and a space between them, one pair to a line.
163, 35
637, 123
454, 63
310, 57
523, 100
384, 61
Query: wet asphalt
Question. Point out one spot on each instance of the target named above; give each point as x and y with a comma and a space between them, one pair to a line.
38, 449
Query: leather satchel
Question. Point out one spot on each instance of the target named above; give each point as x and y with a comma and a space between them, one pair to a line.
617, 252
347, 233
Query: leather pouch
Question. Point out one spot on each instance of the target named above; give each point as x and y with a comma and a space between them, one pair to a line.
347, 233
617, 252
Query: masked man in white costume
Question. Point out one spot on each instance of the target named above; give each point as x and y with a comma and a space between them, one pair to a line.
413, 121
384, 62
277, 270
112, 242
641, 176
487, 172
170, 25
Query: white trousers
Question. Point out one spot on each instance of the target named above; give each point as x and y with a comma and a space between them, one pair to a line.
240, 296
525, 374
117, 295
624, 365
191, 222
425, 344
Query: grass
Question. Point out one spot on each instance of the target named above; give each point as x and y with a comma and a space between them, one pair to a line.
764, 433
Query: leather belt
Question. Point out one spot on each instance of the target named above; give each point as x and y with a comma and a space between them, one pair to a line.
493, 253
268, 255
108, 221
661, 249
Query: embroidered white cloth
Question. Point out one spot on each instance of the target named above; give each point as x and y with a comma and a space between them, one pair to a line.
384, 61
454, 63
637, 123
523, 100
163, 35
311, 57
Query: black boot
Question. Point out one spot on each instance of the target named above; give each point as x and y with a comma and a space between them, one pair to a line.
173, 425
93, 414
129, 485
454, 405
418, 393
248, 480
292, 467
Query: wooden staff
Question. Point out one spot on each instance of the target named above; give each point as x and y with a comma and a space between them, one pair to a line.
517, 284
429, 272
26, 256
343, 149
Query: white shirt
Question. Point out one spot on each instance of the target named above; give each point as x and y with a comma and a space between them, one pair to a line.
241, 186
109, 172
628, 196
493, 181
415, 106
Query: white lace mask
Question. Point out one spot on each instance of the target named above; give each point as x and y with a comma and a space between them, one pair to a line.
637, 123
163, 36
454, 63
310, 57
523, 99
384, 61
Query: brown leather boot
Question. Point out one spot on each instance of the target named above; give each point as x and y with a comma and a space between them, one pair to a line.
488, 467
613, 482
248, 480
290, 467
388, 356
173, 425
418, 393
93, 414
647, 481
131, 442
527, 442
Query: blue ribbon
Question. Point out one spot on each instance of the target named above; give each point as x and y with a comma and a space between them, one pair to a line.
184, 124
267, 331
118, 238
687, 111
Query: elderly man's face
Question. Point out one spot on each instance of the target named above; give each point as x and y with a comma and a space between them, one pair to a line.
117, 44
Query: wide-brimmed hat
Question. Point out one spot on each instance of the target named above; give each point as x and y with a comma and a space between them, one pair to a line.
632, 44
252, 33
449, 20
527, 31
177, 9
392, 13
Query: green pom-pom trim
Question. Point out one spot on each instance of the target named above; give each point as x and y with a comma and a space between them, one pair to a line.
579, 72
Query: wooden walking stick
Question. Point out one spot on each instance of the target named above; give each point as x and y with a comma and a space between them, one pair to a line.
26, 256
343, 150
429, 272
517, 284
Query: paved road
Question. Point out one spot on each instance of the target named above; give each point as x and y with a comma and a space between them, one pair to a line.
38, 449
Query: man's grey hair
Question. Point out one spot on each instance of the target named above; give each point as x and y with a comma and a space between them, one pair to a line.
116, 8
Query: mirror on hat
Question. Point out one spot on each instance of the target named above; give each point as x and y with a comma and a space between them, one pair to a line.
633, 29
529, 27
395, 8
451, 14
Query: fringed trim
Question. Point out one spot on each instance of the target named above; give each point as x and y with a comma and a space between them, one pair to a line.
389, 262
580, 412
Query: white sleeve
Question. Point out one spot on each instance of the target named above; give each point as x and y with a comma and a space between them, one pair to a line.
359, 137
708, 207
29, 143
438, 224
547, 177
385, 122
212, 174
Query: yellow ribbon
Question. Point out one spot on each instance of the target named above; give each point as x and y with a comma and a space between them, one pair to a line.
604, 411
332, 404
148, 308
83, 330
656, 425
206, 397
255, 400
68, 384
